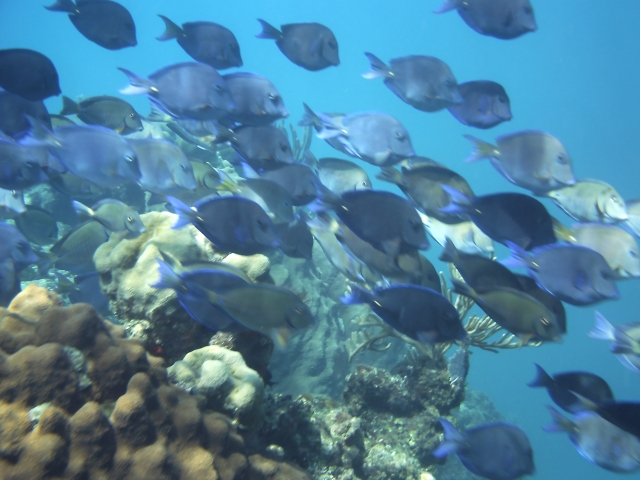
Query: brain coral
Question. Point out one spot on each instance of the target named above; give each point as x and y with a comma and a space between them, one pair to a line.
128, 267
223, 378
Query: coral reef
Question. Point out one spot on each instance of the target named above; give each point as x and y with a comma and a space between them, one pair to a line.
222, 377
127, 267
79, 400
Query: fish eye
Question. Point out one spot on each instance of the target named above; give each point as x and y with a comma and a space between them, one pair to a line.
262, 224
219, 87
527, 9
132, 115
287, 204
129, 158
450, 82
633, 253
614, 199
272, 96
400, 135
502, 99
283, 146
22, 245
562, 159
183, 167
14, 193
333, 44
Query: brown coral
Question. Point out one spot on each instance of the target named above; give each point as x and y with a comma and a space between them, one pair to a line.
107, 410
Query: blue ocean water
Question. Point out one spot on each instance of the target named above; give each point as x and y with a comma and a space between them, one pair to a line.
576, 77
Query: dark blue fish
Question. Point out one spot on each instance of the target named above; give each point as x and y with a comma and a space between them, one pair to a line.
103, 22
485, 104
262, 147
563, 387
624, 340
296, 240
19, 166
14, 110
232, 224
425, 83
505, 19
417, 312
506, 217
497, 451
28, 73
206, 42
187, 90
309, 45
257, 100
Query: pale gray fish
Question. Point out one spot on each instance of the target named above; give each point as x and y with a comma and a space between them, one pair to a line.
164, 167
633, 222
258, 101
113, 214
205, 42
530, 159
624, 340
504, 19
575, 274
271, 196
466, 236
96, 154
341, 176
459, 366
184, 90
298, 179
373, 137
485, 104
311, 46
74, 251
617, 246
591, 201
11, 203
20, 166
426, 83
599, 441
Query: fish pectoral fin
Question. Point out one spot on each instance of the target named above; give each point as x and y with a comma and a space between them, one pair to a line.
391, 247
120, 129
280, 336
581, 281
523, 338
348, 147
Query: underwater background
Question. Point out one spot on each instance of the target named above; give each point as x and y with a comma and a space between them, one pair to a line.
576, 77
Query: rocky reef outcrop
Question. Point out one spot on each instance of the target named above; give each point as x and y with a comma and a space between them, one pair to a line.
79, 400
128, 267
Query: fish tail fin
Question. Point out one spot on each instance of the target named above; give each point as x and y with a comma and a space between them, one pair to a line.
39, 134
139, 85
82, 210
248, 171
543, 379
519, 258
62, 6
269, 31
157, 115
560, 423
463, 289
356, 295
378, 68
447, 6
171, 30
168, 278
330, 127
451, 442
280, 337
481, 149
309, 118
390, 174
69, 107
323, 223
603, 330
450, 253
459, 202
186, 214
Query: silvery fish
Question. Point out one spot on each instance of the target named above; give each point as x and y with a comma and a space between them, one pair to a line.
341, 176
164, 167
530, 159
297, 179
311, 46
205, 42
425, 83
11, 203
574, 274
184, 90
591, 201
599, 441
373, 137
257, 100
96, 154
466, 236
617, 246
504, 19
624, 340
485, 104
